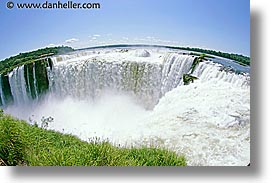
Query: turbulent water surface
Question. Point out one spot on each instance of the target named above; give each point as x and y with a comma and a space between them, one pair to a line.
136, 96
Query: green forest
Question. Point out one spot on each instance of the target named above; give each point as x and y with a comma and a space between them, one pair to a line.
10, 63
242, 60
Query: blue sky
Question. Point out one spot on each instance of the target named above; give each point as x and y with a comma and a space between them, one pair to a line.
214, 24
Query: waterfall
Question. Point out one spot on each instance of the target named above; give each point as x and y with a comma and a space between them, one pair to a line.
175, 66
208, 120
209, 71
34, 81
2, 98
148, 82
85, 75
18, 86
90, 78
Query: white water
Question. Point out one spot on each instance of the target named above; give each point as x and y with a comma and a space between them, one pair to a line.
88, 79
207, 121
18, 86
209, 124
1, 93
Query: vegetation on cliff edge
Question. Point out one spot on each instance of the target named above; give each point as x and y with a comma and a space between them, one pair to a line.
27, 145
23, 58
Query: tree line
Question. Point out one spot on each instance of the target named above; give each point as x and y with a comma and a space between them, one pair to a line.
10, 63
243, 60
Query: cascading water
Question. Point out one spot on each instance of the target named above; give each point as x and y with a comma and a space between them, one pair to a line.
146, 81
88, 79
137, 97
18, 86
174, 67
2, 98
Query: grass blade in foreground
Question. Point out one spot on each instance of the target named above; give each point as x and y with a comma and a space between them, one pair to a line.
23, 144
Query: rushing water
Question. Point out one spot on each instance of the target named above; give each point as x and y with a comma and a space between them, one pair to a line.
137, 97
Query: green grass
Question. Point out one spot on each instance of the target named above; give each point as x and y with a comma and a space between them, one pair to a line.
23, 144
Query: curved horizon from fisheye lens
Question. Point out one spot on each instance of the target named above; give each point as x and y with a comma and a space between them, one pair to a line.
218, 25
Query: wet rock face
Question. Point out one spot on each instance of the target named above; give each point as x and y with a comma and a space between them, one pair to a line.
142, 53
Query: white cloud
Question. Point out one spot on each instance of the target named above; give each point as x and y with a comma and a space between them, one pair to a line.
72, 40
96, 35
154, 40
51, 45
54, 44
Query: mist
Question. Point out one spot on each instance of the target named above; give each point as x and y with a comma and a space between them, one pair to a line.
207, 121
115, 117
